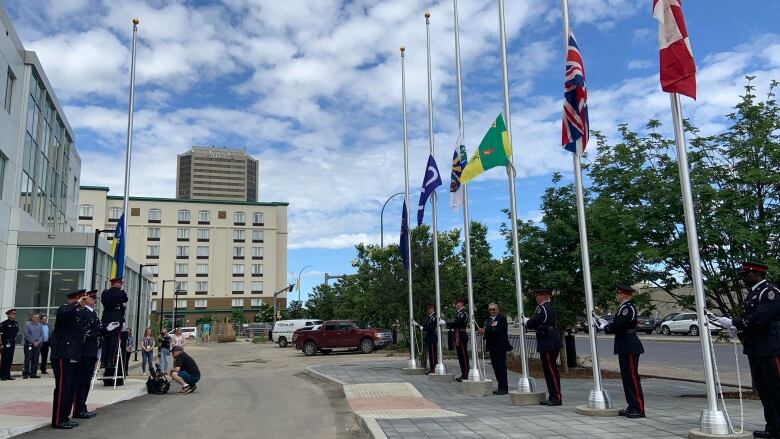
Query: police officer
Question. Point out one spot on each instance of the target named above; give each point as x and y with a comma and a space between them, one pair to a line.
8, 330
113, 300
430, 326
548, 344
66, 343
89, 354
461, 338
759, 331
627, 348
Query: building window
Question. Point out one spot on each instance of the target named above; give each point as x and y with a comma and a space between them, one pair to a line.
239, 218
183, 217
201, 303
257, 253
238, 287
182, 252
154, 305
153, 234
203, 235
114, 213
182, 269
257, 219
10, 79
155, 216
83, 228
153, 269
153, 251
181, 286
257, 287
202, 270
237, 303
201, 286
203, 252
239, 235
3, 159
257, 270
182, 234
86, 211
257, 236
256, 302
238, 252
204, 217
238, 269
181, 303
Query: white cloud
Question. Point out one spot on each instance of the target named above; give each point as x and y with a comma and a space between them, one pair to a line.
639, 64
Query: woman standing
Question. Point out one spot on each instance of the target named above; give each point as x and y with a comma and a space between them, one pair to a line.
178, 339
163, 347
147, 350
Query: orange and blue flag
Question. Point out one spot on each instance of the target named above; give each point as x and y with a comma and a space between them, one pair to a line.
118, 249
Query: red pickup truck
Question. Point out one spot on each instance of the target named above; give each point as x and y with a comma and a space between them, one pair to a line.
340, 334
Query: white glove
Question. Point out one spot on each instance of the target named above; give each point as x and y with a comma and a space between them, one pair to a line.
601, 323
442, 322
725, 322
733, 331
111, 326
525, 319
414, 323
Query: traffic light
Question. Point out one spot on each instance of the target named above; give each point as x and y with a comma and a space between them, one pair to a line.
297, 285
290, 287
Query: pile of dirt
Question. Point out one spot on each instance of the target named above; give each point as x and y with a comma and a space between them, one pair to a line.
535, 370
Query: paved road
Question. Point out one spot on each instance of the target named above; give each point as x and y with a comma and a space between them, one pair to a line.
248, 391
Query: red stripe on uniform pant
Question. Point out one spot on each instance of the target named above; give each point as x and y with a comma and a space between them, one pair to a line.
552, 374
59, 395
777, 365
636, 385
465, 356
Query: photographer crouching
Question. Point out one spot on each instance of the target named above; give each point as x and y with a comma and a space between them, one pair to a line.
185, 370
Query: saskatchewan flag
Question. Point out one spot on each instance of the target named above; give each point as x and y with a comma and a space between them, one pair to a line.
494, 150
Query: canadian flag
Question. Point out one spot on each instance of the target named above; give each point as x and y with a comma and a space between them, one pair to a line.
678, 70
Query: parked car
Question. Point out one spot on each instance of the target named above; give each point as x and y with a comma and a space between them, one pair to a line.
645, 324
683, 323
581, 324
665, 319
189, 332
284, 329
340, 334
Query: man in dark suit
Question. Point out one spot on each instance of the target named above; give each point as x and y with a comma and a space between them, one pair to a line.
548, 344
430, 327
66, 342
89, 354
461, 338
496, 333
113, 301
628, 348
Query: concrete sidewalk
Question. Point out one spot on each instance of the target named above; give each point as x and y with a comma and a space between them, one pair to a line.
394, 405
26, 405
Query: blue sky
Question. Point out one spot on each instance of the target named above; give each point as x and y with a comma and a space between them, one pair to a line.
312, 89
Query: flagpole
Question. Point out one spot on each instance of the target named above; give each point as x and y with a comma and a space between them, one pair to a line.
597, 398
129, 141
712, 420
525, 384
474, 374
412, 356
439, 369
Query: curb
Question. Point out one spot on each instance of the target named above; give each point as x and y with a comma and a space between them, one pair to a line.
694, 380
367, 423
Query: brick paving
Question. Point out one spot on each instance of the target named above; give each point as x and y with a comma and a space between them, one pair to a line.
669, 416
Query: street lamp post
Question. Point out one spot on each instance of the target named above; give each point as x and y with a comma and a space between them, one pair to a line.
162, 302
138, 306
298, 281
382, 220
95, 255
289, 289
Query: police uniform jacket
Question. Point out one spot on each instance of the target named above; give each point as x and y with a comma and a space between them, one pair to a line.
459, 325
429, 326
91, 328
545, 323
759, 326
8, 330
497, 337
624, 327
67, 338
113, 300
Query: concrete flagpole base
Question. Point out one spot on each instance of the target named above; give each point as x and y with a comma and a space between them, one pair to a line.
442, 377
517, 397
584, 410
696, 433
414, 371
477, 388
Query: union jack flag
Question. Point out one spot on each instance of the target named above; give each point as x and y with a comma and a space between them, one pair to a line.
575, 101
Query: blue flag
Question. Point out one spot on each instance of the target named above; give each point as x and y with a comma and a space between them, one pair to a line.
118, 249
403, 244
431, 181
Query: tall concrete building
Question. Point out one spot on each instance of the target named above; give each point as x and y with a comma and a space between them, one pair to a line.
217, 256
212, 173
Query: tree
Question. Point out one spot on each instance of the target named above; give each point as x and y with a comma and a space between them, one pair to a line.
322, 302
265, 313
295, 310
237, 317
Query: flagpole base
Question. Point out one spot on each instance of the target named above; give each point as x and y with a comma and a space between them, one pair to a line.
413, 364
477, 388
584, 410
713, 422
696, 433
474, 375
599, 400
440, 369
526, 385
517, 397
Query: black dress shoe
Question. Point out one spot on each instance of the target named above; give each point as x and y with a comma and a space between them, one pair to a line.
459, 379
35, 376
85, 415
500, 392
65, 425
634, 415
10, 378
623, 412
24, 377
554, 403
544, 402
764, 434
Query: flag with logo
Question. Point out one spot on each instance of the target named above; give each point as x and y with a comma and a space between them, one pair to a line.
494, 150
431, 181
678, 69
458, 163
403, 245
118, 249
575, 101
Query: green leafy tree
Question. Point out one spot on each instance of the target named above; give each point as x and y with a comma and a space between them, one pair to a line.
237, 317
265, 313
295, 310
322, 302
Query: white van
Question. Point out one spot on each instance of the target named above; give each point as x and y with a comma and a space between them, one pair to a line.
189, 332
283, 330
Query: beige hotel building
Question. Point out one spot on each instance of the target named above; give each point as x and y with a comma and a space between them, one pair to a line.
218, 256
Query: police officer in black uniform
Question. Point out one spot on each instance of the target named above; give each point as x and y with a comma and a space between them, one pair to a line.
113, 300
8, 330
89, 354
548, 344
627, 348
430, 327
461, 338
759, 331
67, 339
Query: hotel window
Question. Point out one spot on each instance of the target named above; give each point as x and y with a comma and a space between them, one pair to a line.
257, 236
154, 305
153, 269
238, 252
155, 215
203, 252
10, 79
182, 269
257, 287
153, 233
256, 303
181, 286
238, 269
237, 303
183, 217
203, 235
204, 217
257, 219
182, 234
239, 218
182, 251
257, 252
257, 269
202, 269
201, 286
152, 251
84, 228
114, 213
238, 287
201, 303
239, 235
181, 303
86, 211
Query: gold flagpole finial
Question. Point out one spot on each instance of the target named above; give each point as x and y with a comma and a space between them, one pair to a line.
136, 21
403, 49
427, 14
